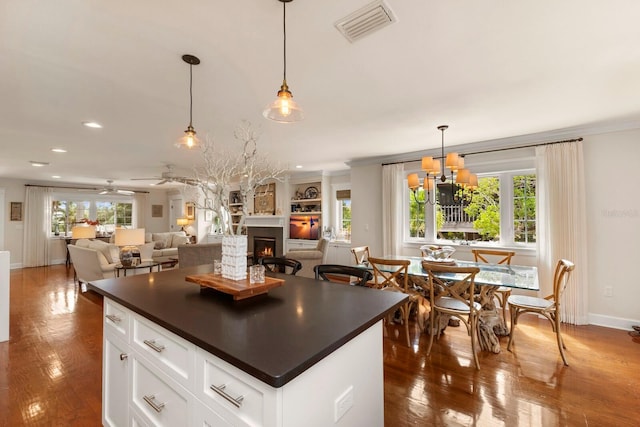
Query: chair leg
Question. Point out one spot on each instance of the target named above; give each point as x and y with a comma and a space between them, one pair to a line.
432, 323
513, 312
560, 342
503, 304
474, 334
407, 310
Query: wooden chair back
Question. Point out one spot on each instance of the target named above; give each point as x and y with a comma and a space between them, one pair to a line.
361, 254
561, 279
498, 256
342, 274
453, 282
389, 273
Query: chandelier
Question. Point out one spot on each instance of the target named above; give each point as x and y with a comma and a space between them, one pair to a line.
432, 168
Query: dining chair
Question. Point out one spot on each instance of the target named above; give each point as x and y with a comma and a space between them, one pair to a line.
453, 297
494, 256
549, 306
392, 275
281, 265
342, 274
361, 254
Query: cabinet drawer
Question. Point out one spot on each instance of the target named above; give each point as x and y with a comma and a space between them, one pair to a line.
159, 399
219, 385
116, 318
172, 354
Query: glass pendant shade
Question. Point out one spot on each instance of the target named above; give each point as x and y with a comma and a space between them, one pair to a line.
189, 140
284, 109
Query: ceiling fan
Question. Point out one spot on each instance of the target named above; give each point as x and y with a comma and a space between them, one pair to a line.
169, 176
110, 189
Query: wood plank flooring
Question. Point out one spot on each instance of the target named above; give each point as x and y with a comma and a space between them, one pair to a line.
50, 369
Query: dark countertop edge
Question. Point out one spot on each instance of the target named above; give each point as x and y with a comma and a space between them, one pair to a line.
270, 380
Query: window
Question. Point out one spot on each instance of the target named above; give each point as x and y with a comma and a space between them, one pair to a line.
66, 212
502, 210
343, 198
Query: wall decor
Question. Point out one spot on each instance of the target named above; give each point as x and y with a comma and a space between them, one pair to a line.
190, 210
16, 211
264, 200
156, 211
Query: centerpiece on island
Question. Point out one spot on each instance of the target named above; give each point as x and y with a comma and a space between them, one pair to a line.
223, 168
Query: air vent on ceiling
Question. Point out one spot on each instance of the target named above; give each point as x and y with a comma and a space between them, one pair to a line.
365, 21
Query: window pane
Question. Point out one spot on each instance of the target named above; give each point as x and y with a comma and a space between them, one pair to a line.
524, 208
416, 213
344, 222
469, 215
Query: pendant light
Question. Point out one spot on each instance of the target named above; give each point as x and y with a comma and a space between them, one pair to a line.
189, 140
284, 109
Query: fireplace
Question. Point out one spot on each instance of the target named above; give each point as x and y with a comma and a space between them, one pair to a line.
258, 237
263, 247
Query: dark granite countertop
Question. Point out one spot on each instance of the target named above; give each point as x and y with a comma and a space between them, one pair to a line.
274, 337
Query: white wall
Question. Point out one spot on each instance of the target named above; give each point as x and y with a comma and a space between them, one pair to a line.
366, 207
613, 221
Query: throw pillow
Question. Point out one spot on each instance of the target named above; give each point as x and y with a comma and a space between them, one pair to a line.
179, 240
159, 244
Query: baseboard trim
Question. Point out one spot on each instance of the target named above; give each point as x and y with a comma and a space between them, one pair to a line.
612, 322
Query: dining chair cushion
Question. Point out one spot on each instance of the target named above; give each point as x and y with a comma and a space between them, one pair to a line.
527, 301
454, 304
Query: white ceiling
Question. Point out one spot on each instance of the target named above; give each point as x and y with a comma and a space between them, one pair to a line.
489, 69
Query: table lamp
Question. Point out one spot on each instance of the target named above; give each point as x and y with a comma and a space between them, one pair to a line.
128, 239
182, 222
83, 232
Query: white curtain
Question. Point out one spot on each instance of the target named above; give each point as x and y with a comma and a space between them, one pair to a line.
37, 224
140, 209
392, 180
562, 225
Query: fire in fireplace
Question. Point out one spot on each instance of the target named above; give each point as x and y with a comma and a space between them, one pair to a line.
263, 247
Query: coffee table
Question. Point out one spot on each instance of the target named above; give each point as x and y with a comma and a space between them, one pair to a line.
145, 264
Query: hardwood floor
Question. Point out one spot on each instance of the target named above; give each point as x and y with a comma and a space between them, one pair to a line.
50, 370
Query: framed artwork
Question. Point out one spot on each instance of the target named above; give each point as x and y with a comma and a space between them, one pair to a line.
156, 211
208, 215
16, 211
190, 210
264, 201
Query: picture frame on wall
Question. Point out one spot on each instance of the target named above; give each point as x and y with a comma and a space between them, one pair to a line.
15, 211
156, 211
264, 200
190, 210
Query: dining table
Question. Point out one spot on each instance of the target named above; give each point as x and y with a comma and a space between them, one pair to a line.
490, 277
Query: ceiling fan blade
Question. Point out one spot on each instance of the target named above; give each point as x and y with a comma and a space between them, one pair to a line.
128, 192
162, 182
104, 192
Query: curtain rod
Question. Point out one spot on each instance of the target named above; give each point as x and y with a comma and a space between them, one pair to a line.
77, 188
496, 150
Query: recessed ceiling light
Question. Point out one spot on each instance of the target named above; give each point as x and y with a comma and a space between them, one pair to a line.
58, 150
94, 125
56, 176
298, 166
38, 164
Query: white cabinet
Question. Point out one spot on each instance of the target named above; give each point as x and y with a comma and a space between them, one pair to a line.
339, 253
184, 385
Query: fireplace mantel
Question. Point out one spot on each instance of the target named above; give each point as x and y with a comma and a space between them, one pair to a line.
264, 221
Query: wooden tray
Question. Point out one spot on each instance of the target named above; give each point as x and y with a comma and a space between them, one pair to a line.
240, 289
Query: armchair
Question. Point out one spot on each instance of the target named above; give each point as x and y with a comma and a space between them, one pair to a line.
310, 257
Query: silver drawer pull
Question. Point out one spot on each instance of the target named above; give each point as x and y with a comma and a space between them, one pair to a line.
153, 345
151, 400
237, 402
124, 356
113, 318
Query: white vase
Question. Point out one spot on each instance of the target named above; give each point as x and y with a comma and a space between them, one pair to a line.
234, 257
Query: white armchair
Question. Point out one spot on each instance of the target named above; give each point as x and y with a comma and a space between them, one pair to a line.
310, 257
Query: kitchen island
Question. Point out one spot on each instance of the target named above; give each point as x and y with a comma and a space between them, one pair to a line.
306, 353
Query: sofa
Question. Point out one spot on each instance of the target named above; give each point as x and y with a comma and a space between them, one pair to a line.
198, 254
310, 257
95, 259
165, 245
